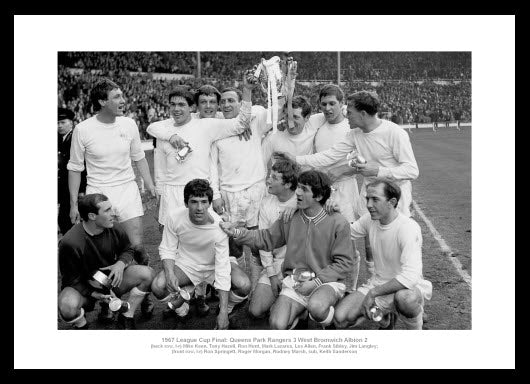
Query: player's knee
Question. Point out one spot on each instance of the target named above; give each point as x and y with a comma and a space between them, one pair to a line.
146, 275
69, 306
243, 286
278, 322
318, 309
340, 317
158, 286
407, 302
255, 309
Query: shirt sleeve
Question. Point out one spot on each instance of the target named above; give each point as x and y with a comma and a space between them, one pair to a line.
402, 151
77, 153
359, 228
168, 247
222, 264
266, 150
214, 170
259, 114
326, 158
341, 256
410, 242
223, 128
160, 131
264, 239
137, 153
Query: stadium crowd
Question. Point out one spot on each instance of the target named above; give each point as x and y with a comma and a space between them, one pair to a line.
369, 66
404, 80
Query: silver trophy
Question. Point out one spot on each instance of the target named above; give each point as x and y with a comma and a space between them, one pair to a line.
182, 154
301, 275
276, 78
355, 158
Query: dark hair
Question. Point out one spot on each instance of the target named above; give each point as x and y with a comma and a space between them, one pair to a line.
207, 90
89, 204
289, 171
233, 89
331, 90
319, 183
391, 189
301, 102
183, 92
365, 101
198, 188
101, 92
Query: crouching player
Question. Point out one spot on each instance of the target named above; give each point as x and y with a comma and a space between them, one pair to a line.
194, 250
95, 244
398, 286
314, 240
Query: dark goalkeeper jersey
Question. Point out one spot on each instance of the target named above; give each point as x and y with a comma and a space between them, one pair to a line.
81, 255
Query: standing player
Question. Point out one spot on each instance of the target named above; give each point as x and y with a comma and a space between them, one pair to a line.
296, 140
238, 173
207, 99
107, 142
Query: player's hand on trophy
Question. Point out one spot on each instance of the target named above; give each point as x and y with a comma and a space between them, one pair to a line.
172, 283
177, 141
228, 227
305, 288
116, 272
249, 80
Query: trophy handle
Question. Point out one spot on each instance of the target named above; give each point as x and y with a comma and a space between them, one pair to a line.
288, 88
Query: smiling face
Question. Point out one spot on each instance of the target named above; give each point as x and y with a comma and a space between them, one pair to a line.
207, 106
197, 209
230, 104
299, 121
115, 103
332, 109
180, 110
378, 205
